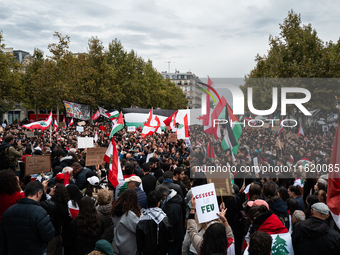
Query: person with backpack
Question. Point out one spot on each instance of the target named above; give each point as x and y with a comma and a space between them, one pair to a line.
9, 155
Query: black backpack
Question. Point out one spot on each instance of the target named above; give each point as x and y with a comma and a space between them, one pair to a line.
4, 162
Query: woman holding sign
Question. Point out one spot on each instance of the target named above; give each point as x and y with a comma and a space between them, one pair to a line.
217, 239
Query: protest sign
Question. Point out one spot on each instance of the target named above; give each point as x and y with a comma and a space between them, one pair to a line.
37, 164
131, 129
29, 134
82, 123
276, 128
94, 156
265, 125
85, 142
173, 137
80, 129
78, 111
206, 202
222, 186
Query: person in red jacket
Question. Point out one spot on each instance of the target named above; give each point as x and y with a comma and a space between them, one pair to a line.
10, 190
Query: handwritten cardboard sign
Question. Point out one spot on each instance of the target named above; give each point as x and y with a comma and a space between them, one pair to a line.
94, 156
206, 202
29, 134
37, 164
82, 123
173, 137
222, 186
265, 125
85, 142
275, 128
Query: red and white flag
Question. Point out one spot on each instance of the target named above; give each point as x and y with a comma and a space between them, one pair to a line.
168, 122
71, 122
96, 115
152, 125
95, 137
55, 128
42, 125
111, 157
183, 128
64, 120
300, 132
333, 188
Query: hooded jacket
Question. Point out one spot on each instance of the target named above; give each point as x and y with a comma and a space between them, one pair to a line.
172, 206
125, 225
279, 208
154, 232
104, 215
314, 236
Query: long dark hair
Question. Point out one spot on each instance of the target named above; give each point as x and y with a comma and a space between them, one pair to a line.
88, 223
74, 194
8, 182
129, 202
61, 194
214, 240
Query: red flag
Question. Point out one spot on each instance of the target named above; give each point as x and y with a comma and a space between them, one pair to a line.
168, 120
333, 189
71, 122
102, 128
67, 178
96, 115
210, 150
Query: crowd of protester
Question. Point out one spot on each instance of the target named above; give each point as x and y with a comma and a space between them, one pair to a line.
74, 209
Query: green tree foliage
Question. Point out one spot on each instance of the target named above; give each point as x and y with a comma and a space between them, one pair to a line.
9, 79
111, 78
297, 52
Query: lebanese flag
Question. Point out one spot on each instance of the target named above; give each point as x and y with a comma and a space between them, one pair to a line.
42, 125
300, 132
73, 210
172, 125
291, 158
207, 125
170, 119
117, 125
55, 128
281, 127
71, 122
64, 120
183, 129
333, 187
95, 137
148, 130
113, 115
96, 115
111, 157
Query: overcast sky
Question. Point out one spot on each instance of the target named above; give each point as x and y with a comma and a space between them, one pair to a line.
218, 38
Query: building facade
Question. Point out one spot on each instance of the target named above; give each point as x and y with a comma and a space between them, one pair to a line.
187, 82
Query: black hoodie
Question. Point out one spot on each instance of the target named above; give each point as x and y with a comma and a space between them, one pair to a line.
314, 236
279, 208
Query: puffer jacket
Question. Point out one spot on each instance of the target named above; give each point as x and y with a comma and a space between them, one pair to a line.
104, 215
27, 228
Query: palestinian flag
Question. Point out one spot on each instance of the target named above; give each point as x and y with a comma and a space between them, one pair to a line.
102, 111
113, 115
96, 115
117, 125
333, 188
55, 128
42, 125
183, 128
111, 157
71, 122
300, 132
232, 135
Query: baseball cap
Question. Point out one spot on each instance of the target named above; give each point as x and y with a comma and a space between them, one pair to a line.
93, 180
133, 179
258, 202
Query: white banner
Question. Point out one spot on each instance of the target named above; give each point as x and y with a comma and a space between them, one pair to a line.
85, 142
80, 129
131, 129
206, 202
